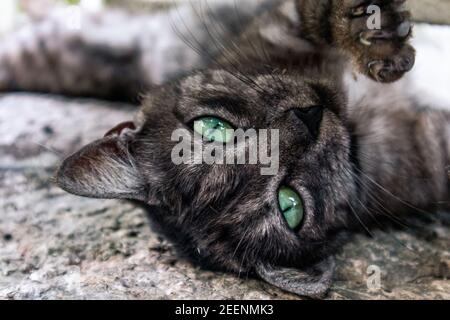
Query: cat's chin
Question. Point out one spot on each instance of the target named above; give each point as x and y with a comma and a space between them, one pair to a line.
313, 282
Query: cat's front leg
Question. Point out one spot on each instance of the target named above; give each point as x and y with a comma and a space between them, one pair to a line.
373, 33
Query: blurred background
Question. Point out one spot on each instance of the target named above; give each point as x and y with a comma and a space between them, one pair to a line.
16, 12
57, 246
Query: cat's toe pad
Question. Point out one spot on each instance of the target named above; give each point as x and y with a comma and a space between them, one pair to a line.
393, 68
377, 36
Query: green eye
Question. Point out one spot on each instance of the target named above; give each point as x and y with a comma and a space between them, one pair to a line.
214, 129
291, 206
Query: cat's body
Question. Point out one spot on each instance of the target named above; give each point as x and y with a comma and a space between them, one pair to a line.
372, 151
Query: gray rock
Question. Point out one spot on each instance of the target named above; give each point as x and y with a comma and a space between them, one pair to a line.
57, 246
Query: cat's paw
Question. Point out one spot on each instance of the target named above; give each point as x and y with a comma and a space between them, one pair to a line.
376, 34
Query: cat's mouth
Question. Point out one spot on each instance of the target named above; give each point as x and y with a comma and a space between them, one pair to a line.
312, 282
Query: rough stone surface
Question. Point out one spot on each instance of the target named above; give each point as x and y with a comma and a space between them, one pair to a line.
55, 245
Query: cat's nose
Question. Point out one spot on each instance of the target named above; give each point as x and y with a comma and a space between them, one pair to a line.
311, 117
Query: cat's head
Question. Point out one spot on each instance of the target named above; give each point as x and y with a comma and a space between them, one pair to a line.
279, 224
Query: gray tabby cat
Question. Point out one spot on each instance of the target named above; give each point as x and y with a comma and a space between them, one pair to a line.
344, 161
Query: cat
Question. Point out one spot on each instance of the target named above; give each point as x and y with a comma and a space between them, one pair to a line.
301, 67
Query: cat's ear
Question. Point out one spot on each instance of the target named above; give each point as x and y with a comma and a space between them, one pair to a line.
313, 282
104, 168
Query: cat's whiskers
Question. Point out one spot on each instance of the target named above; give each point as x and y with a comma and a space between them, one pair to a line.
403, 244
195, 45
376, 199
48, 148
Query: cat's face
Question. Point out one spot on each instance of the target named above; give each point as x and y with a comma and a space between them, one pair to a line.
232, 216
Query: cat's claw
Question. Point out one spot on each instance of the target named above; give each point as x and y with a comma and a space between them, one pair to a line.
402, 32
392, 69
